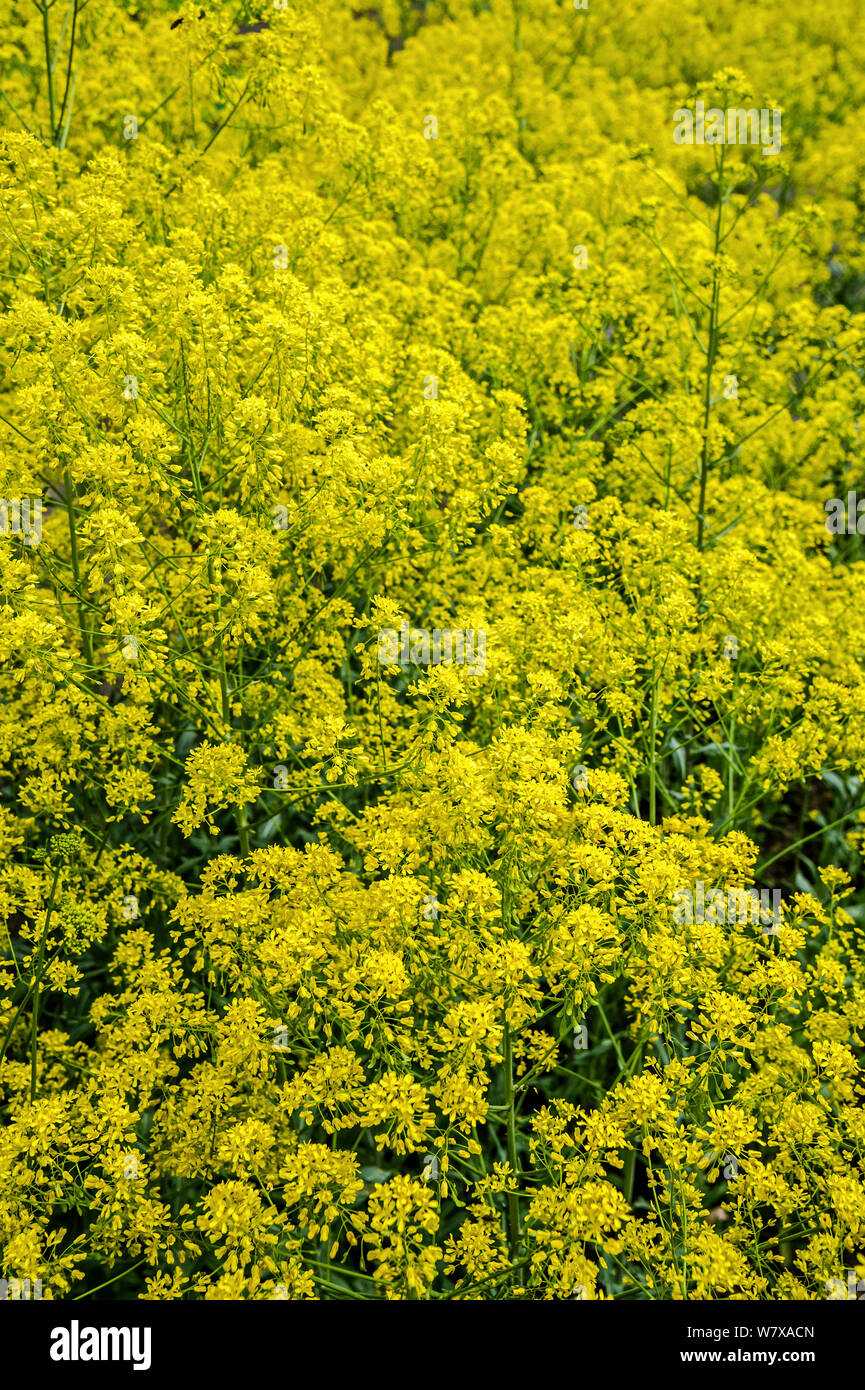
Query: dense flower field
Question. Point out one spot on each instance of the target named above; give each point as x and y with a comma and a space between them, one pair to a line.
432, 650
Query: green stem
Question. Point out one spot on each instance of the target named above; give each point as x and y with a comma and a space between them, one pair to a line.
48, 66
513, 1160
57, 131
711, 351
86, 634
37, 979
243, 831
653, 734
628, 1176
611, 1035
788, 849
113, 1280
15, 1017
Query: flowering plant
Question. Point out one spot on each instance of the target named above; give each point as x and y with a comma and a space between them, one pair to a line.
330, 976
